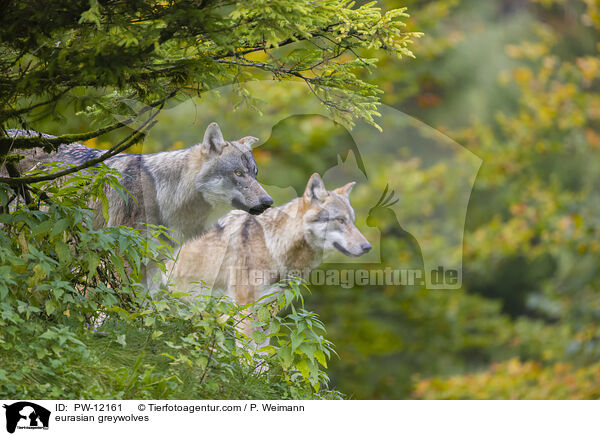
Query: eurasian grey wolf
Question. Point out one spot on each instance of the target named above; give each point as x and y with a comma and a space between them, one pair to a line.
244, 255
180, 189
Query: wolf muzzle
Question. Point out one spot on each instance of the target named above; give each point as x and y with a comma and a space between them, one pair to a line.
265, 203
365, 248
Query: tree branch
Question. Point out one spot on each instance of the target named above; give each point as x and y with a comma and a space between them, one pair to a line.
13, 172
4, 115
50, 144
285, 42
121, 146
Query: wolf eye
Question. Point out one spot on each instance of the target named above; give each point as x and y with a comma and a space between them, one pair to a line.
341, 220
238, 173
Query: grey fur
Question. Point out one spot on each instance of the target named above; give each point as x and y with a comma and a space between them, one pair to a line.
182, 189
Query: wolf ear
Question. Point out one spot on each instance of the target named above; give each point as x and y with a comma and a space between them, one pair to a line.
248, 141
315, 189
346, 189
213, 139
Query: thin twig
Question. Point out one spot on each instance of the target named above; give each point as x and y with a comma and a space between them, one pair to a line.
25, 142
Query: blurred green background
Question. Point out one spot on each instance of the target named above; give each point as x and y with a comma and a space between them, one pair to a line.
514, 82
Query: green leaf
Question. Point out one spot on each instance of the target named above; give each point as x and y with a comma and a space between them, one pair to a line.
202, 362
302, 366
267, 349
3, 291
50, 307
286, 356
92, 263
63, 252
289, 296
118, 263
258, 336
308, 349
59, 227
42, 228
274, 326
149, 322
49, 334
320, 356
263, 315
297, 339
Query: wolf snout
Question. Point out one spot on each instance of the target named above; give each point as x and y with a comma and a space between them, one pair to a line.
265, 203
366, 247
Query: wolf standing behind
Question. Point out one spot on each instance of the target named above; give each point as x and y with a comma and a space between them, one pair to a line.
244, 255
181, 189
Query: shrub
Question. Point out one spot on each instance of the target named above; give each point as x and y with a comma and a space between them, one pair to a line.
517, 380
60, 277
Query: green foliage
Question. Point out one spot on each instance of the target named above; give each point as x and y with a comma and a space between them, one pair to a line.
516, 380
519, 88
99, 55
62, 280
298, 345
53, 257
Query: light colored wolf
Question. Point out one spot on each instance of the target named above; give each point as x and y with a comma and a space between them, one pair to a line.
180, 189
243, 255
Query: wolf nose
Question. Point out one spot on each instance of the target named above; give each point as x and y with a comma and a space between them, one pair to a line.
266, 201
365, 247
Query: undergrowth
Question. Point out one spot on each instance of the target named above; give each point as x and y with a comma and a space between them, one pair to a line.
76, 323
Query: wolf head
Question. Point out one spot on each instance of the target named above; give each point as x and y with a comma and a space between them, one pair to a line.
328, 219
228, 173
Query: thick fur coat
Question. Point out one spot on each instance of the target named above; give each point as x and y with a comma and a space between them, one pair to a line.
183, 190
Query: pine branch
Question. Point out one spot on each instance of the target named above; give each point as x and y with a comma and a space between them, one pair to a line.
5, 115
50, 144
